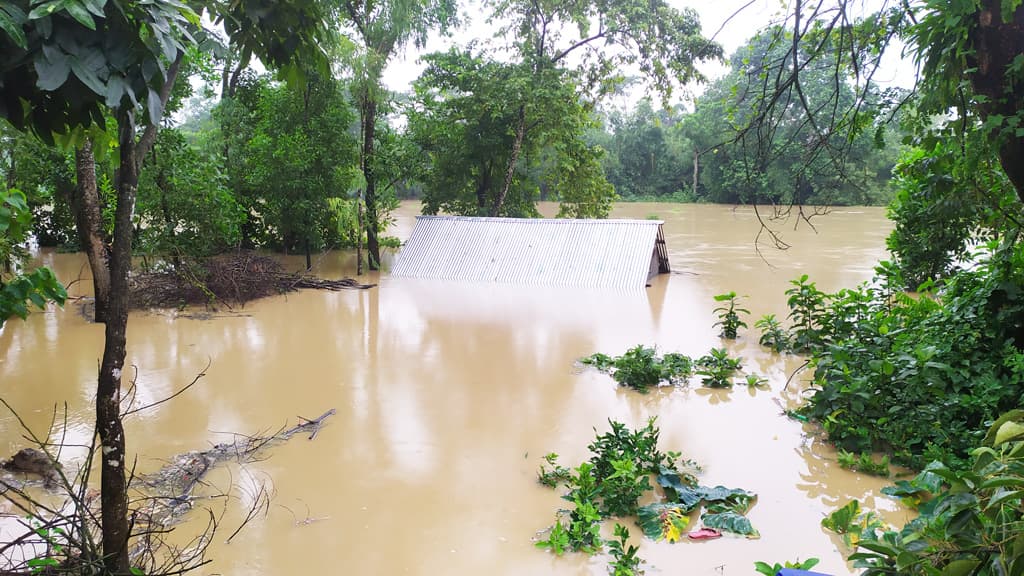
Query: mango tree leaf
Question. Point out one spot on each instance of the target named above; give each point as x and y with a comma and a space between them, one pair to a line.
960, 567
11, 20
993, 431
730, 522
1008, 432
663, 521
80, 13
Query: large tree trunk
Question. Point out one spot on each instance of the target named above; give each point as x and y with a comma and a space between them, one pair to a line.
513, 159
996, 45
369, 112
89, 224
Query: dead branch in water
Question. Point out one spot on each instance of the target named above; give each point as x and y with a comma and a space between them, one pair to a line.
228, 280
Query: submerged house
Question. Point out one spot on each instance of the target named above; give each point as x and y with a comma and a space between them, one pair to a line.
618, 254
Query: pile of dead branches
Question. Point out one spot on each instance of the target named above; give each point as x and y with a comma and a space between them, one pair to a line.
227, 280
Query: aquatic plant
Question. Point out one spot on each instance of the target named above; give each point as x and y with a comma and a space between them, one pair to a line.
773, 569
717, 368
613, 482
729, 315
773, 334
626, 562
640, 367
863, 462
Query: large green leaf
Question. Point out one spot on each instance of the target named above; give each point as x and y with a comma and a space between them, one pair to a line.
11, 20
663, 521
722, 499
730, 522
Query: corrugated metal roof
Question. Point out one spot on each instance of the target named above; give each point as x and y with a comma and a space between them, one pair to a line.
534, 251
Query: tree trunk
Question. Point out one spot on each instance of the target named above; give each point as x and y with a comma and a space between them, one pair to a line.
517, 145
89, 224
369, 111
996, 45
696, 171
483, 187
359, 236
113, 484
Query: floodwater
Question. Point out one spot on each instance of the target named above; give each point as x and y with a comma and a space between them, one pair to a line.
448, 395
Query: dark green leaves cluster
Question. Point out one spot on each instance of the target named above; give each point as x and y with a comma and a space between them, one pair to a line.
640, 368
968, 523
18, 290
614, 481
916, 376
729, 315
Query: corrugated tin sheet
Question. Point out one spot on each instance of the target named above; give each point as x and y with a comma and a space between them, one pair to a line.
534, 252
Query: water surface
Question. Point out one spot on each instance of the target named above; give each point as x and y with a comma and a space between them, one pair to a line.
448, 395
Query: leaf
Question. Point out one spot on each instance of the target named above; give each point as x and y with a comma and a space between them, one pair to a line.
1011, 416
52, 72
154, 106
11, 20
730, 522
80, 13
663, 521
1008, 432
960, 567
88, 76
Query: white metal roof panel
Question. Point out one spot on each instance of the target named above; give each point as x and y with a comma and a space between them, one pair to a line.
532, 251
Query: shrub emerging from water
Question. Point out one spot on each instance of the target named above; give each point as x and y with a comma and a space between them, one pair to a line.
729, 315
641, 368
716, 368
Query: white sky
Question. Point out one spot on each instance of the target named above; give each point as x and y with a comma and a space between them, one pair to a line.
733, 26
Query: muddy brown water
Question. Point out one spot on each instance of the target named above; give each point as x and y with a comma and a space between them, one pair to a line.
448, 395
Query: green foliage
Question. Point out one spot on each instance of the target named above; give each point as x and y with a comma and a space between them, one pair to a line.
640, 368
968, 523
613, 482
729, 315
290, 152
20, 288
773, 569
661, 521
624, 555
773, 335
948, 197
556, 475
716, 368
467, 107
756, 381
806, 313
889, 368
616, 478
184, 206
864, 462
760, 137
853, 524
730, 522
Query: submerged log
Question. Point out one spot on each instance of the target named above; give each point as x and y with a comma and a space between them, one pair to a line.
170, 488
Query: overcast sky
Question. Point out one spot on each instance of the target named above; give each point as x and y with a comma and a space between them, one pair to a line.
733, 24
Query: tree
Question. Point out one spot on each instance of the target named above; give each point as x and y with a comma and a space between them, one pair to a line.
789, 157
383, 27
662, 42
290, 151
465, 104
63, 65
